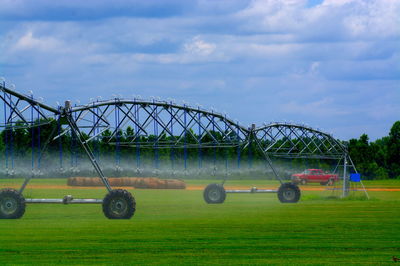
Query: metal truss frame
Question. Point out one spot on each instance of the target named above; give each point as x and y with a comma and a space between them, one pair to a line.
169, 125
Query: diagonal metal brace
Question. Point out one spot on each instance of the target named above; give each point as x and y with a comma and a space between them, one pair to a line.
254, 138
75, 130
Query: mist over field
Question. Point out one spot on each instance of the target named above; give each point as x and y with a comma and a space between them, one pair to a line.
50, 167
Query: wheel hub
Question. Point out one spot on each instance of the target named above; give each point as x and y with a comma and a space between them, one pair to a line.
213, 195
289, 194
9, 205
118, 206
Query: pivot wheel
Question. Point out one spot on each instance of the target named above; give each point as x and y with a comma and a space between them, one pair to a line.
214, 193
119, 204
12, 204
289, 193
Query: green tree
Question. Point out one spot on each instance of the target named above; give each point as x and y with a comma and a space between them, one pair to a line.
363, 155
393, 153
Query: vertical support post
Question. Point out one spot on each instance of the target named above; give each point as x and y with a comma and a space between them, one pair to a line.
6, 131
345, 179
185, 139
214, 148
137, 137
95, 132
11, 142
156, 151
10, 131
250, 156
32, 129
238, 149
38, 140
117, 138
226, 150
60, 142
74, 152
200, 155
172, 151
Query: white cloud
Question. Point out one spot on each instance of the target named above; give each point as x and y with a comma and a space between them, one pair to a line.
194, 51
30, 42
199, 47
332, 20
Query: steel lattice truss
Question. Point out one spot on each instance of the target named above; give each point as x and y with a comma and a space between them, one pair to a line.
164, 124
23, 111
296, 141
157, 124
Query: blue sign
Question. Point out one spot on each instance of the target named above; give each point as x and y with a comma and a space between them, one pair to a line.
355, 177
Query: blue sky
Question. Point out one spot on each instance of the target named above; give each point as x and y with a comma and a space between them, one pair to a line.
332, 64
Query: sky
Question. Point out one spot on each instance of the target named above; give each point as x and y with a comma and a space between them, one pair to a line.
329, 64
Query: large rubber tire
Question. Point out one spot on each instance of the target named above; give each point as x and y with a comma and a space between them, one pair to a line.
12, 204
214, 194
119, 204
324, 183
289, 193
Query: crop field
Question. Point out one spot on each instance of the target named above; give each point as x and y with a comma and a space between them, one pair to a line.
178, 227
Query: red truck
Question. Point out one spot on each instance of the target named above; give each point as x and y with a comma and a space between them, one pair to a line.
315, 176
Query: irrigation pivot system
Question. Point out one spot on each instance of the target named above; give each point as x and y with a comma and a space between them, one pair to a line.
170, 126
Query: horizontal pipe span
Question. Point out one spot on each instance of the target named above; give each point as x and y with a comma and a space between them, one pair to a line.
65, 201
29, 99
157, 103
251, 191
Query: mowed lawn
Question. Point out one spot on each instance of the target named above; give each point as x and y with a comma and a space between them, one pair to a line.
178, 227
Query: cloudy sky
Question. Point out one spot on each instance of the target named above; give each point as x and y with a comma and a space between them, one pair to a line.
332, 64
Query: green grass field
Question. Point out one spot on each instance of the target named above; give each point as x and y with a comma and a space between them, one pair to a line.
178, 227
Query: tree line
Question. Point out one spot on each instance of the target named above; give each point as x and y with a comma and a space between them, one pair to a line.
379, 159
